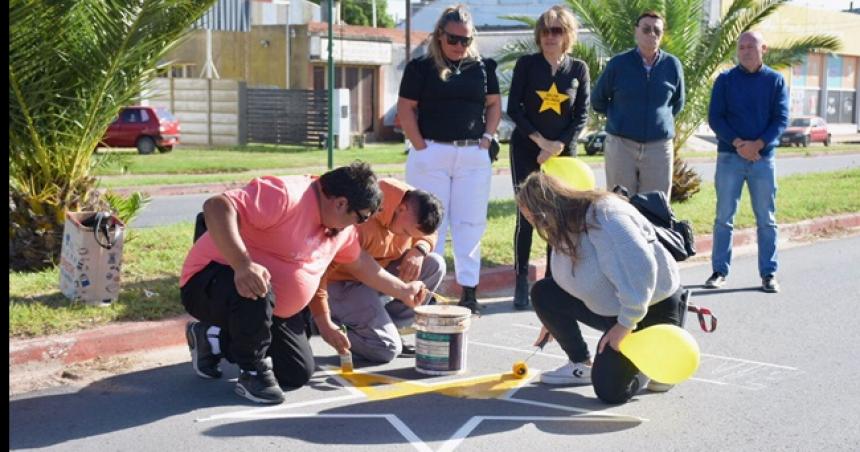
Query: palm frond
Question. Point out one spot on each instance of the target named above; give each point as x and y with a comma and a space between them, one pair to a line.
793, 52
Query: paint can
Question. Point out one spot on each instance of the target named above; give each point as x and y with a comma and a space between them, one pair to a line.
441, 339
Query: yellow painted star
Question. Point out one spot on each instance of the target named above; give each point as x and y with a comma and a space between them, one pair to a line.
552, 99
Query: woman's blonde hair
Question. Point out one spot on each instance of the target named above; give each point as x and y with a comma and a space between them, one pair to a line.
457, 14
558, 211
567, 21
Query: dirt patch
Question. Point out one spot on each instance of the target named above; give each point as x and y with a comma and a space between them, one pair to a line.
38, 376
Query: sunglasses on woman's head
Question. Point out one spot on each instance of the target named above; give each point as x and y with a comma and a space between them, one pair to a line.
556, 31
453, 39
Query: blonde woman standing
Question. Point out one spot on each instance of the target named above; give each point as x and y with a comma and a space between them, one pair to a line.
449, 109
548, 102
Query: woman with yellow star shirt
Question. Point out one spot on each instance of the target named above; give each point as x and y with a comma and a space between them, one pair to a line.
548, 101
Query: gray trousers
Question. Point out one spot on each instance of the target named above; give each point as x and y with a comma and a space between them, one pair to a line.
640, 167
371, 322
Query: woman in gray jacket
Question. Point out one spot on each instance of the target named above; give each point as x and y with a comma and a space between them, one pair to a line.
609, 272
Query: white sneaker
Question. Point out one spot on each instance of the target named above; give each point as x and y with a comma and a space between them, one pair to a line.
651, 385
656, 386
569, 374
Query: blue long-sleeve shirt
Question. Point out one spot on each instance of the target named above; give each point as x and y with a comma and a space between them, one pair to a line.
640, 105
749, 106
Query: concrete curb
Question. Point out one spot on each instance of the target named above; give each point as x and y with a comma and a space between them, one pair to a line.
127, 337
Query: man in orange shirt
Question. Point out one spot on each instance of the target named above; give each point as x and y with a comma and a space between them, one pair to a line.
266, 248
399, 237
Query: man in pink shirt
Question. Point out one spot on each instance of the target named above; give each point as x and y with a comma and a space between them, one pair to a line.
248, 278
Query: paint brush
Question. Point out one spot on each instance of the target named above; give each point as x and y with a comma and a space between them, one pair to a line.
440, 299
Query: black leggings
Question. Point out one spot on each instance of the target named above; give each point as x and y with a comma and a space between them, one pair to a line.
523, 156
249, 330
612, 374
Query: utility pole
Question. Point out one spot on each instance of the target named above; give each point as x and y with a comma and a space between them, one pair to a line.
408, 29
330, 4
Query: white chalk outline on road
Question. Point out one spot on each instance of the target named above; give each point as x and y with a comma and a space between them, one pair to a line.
275, 412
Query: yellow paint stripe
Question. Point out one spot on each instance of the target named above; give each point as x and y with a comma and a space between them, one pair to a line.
382, 387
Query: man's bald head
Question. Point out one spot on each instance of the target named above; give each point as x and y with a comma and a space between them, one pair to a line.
751, 50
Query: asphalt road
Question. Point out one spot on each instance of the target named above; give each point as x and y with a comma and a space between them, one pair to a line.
165, 210
779, 373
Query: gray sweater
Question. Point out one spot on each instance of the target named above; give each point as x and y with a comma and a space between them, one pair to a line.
621, 268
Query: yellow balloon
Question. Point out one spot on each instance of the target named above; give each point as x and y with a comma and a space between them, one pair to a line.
665, 353
571, 170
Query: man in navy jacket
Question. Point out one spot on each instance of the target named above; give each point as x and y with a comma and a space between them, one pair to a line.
748, 112
640, 92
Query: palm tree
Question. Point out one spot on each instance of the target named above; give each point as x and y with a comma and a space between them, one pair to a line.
703, 49
72, 65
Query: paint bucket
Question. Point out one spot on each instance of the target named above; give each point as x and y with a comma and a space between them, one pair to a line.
441, 339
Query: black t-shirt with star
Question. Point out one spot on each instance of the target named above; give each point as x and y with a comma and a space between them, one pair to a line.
453, 109
556, 106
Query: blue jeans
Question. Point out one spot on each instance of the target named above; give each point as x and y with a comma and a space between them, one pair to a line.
760, 176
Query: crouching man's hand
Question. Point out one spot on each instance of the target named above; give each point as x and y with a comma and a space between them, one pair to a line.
333, 335
414, 294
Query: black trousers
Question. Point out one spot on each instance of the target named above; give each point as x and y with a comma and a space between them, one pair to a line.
524, 153
613, 374
249, 330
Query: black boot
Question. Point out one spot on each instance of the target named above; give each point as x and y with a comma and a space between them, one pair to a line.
521, 293
468, 299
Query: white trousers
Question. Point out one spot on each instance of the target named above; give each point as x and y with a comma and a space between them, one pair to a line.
460, 177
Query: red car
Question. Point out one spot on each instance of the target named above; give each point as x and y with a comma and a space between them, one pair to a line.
803, 130
146, 128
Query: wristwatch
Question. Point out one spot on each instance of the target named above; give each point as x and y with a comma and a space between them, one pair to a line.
422, 248
489, 136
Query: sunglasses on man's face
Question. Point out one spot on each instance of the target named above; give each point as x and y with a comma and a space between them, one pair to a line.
647, 29
453, 39
555, 31
361, 217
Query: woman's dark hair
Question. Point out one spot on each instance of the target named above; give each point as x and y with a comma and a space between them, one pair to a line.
427, 208
356, 182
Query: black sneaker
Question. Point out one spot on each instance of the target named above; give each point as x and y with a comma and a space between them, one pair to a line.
716, 280
769, 284
205, 362
521, 292
261, 387
469, 300
407, 350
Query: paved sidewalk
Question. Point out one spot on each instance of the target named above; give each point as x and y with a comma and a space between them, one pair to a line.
122, 338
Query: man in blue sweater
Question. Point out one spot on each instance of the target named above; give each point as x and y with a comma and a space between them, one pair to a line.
640, 92
748, 112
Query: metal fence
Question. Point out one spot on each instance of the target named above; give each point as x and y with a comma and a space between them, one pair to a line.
281, 116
